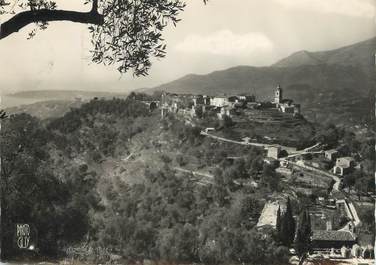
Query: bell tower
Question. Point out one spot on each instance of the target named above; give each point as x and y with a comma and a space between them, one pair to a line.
164, 104
278, 95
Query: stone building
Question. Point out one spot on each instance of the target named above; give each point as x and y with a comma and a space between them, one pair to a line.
331, 154
201, 100
285, 105
220, 101
274, 152
278, 95
343, 165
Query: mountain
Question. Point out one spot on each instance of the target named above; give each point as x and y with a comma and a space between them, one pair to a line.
298, 59
332, 86
359, 54
262, 80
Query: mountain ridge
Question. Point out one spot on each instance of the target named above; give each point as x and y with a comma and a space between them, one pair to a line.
358, 54
320, 81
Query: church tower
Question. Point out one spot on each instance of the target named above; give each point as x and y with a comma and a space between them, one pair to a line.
164, 104
278, 95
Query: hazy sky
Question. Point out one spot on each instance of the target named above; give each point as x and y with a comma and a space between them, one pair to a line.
222, 34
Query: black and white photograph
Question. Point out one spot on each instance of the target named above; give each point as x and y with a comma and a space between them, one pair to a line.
187, 132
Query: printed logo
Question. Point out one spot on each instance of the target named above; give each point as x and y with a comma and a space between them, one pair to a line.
23, 235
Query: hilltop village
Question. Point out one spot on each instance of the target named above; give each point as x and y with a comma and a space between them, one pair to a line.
318, 171
198, 105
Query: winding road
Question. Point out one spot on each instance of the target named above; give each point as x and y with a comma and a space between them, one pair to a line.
293, 153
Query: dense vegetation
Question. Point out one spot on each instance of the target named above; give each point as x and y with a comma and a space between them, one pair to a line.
169, 218
55, 177
51, 181
42, 186
56, 206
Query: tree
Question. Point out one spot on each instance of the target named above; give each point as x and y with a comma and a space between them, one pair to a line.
55, 206
303, 236
123, 32
181, 160
349, 181
328, 135
287, 226
270, 177
255, 165
227, 122
278, 221
199, 112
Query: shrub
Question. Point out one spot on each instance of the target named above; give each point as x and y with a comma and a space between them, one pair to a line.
181, 160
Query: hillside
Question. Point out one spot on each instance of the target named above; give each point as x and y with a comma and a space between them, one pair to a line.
139, 183
330, 85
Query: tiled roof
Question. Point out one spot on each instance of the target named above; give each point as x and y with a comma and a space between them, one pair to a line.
323, 235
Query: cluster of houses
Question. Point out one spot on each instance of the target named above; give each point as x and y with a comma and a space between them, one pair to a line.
327, 239
341, 243
336, 243
343, 165
223, 105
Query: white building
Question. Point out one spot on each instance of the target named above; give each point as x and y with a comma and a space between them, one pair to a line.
220, 101
343, 165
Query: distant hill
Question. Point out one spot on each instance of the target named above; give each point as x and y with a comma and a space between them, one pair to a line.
298, 59
329, 85
359, 54
51, 103
64, 94
263, 80
46, 109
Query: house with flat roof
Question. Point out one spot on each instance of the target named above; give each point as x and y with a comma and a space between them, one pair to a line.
268, 217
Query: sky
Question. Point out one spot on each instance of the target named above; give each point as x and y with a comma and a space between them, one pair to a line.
216, 36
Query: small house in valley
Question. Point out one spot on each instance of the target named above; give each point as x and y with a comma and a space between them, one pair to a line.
331, 154
343, 165
274, 152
